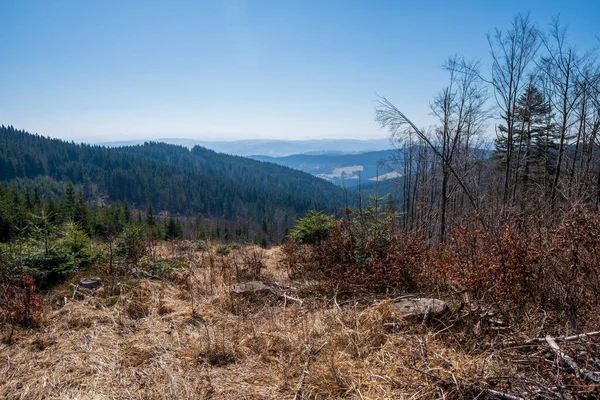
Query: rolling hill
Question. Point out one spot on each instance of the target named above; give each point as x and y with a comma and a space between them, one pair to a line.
197, 182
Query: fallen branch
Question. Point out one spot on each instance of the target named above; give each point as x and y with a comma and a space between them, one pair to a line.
286, 298
563, 338
490, 392
500, 395
587, 375
530, 381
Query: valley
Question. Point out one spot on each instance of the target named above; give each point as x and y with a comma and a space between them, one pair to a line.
349, 170
410, 208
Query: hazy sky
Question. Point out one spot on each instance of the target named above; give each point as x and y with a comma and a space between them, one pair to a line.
115, 70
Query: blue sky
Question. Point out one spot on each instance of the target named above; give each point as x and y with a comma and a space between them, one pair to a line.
115, 70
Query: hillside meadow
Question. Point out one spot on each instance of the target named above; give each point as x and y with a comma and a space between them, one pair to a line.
190, 330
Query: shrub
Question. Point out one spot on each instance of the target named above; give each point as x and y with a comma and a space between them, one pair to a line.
130, 245
223, 250
498, 264
251, 265
20, 303
312, 229
52, 261
364, 250
201, 245
514, 265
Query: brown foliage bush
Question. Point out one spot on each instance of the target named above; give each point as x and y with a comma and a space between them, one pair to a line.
20, 303
251, 265
375, 256
512, 265
493, 263
553, 268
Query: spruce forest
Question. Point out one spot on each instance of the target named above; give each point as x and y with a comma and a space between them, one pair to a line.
158, 271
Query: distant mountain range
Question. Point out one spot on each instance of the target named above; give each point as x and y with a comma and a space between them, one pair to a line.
270, 147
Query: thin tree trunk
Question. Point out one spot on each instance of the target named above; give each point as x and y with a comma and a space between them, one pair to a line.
579, 132
561, 146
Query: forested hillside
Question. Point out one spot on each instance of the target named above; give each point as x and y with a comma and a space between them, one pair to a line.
264, 176
169, 177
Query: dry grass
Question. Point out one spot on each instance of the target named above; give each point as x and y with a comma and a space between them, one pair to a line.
187, 338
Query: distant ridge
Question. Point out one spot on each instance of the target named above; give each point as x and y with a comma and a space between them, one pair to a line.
271, 147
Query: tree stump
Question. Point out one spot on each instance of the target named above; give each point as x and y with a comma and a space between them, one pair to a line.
90, 282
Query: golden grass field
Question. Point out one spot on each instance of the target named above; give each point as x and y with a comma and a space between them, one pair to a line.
188, 338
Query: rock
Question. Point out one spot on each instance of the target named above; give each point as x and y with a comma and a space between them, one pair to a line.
251, 287
91, 282
419, 308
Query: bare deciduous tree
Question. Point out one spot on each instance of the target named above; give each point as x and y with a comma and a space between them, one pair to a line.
460, 110
512, 53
